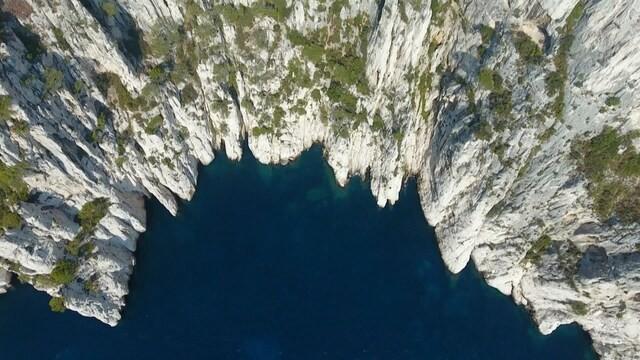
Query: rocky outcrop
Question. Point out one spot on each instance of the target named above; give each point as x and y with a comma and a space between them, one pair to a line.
114, 100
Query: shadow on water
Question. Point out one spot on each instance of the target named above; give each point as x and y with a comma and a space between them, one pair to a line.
277, 263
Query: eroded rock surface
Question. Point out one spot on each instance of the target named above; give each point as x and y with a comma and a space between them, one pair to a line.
485, 102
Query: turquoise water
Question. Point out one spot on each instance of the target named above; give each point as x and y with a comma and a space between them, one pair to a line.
279, 263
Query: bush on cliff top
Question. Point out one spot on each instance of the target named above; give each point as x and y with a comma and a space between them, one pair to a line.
64, 272
57, 304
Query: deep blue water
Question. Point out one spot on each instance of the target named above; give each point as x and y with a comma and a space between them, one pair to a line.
278, 263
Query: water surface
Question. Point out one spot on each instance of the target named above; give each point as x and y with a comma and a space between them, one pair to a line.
279, 263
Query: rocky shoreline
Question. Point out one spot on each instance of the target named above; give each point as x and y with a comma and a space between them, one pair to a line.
112, 101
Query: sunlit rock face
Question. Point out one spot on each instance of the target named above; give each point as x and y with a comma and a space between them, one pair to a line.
489, 104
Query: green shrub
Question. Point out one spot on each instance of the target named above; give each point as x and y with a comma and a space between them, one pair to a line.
53, 80
483, 131
57, 304
62, 42
574, 16
20, 127
579, 308
341, 95
93, 211
64, 272
154, 125
12, 190
438, 10
78, 87
378, 123
111, 81
554, 83
91, 286
278, 116
261, 130
5, 108
539, 247
164, 39
158, 75
612, 101
188, 95
101, 121
611, 164
487, 33
501, 103
9, 220
490, 79
110, 8
340, 56
528, 50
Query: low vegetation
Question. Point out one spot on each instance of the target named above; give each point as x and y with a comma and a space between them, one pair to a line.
539, 247
579, 308
500, 102
487, 33
56, 304
12, 190
60, 39
5, 108
110, 8
556, 80
154, 124
490, 79
483, 131
53, 80
110, 82
527, 49
611, 164
612, 101
64, 272
92, 212
89, 217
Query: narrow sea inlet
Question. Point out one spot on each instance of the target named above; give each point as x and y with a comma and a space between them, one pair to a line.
279, 263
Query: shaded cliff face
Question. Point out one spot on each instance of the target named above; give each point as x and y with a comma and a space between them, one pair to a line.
517, 120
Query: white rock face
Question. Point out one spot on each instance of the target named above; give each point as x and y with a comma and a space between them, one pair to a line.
489, 197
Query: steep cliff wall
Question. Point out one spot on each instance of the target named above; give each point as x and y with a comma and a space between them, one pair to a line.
503, 110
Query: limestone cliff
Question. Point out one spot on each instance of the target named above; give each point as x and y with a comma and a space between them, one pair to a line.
519, 118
